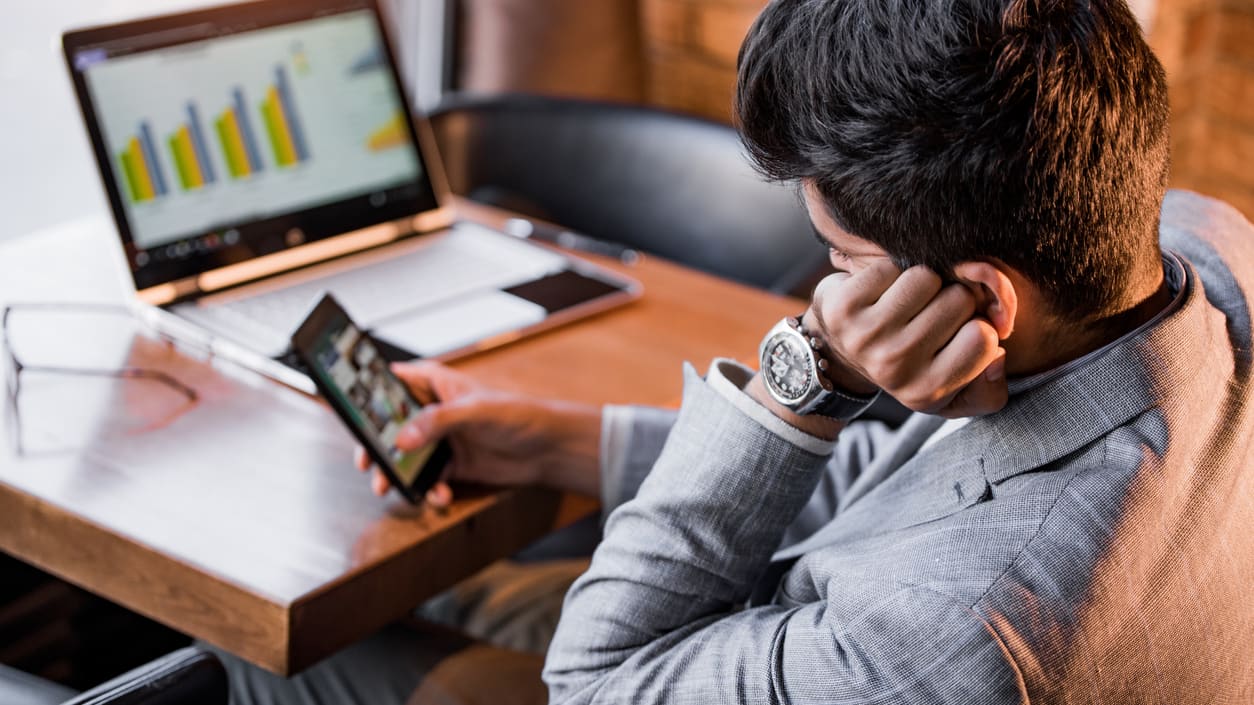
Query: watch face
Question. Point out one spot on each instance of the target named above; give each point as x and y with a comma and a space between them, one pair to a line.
786, 367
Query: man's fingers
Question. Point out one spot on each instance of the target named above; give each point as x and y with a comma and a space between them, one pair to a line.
941, 319
839, 296
440, 495
418, 377
417, 370
985, 394
361, 459
914, 336
379, 483
968, 354
913, 291
868, 284
435, 422
432, 381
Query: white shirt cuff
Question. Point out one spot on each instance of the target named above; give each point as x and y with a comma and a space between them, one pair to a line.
728, 378
616, 424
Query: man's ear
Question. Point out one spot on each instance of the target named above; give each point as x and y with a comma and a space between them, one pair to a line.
994, 291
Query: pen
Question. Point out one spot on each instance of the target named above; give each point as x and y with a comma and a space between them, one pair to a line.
523, 228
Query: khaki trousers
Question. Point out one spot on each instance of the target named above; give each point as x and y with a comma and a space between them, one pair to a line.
481, 642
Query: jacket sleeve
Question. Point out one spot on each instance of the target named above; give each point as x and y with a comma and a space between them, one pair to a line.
656, 618
632, 438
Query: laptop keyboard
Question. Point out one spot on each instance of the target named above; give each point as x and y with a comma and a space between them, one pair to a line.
450, 266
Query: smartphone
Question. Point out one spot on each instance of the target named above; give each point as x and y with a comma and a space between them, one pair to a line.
348, 368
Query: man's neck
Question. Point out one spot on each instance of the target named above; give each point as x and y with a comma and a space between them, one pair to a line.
1044, 347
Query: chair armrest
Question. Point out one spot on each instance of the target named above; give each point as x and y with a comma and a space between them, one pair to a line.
185, 677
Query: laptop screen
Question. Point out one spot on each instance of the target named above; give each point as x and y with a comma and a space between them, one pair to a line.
231, 133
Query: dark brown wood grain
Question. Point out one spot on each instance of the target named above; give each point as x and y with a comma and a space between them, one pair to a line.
239, 520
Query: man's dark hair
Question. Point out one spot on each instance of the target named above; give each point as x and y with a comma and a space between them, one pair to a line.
1032, 131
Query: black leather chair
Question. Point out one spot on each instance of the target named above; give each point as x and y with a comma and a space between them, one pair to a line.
665, 184
185, 677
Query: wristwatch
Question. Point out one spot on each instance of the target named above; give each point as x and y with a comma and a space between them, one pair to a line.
795, 375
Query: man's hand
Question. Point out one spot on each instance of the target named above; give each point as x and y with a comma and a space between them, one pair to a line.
497, 438
911, 335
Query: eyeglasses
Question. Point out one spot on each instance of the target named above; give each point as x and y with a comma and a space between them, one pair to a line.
50, 312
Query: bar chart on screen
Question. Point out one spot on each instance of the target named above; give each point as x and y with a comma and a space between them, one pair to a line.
142, 172
238, 140
187, 150
283, 123
211, 133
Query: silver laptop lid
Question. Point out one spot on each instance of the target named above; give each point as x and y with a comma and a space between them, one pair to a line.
240, 141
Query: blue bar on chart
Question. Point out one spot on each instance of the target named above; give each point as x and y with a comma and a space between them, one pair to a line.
150, 156
246, 131
289, 111
198, 142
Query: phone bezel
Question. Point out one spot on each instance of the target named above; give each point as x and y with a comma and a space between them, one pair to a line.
303, 341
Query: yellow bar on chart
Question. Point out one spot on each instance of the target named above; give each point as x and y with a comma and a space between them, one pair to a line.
393, 133
233, 144
187, 152
276, 123
143, 176
128, 170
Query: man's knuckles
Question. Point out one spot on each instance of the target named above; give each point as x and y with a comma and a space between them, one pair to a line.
911, 292
981, 338
956, 301
833, 305
890, 367
924, 395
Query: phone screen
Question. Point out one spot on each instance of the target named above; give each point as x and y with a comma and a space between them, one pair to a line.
349, 369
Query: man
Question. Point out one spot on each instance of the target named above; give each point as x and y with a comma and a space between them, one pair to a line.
1086, 542
989, 176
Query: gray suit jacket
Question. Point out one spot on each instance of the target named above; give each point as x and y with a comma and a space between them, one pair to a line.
1090, 543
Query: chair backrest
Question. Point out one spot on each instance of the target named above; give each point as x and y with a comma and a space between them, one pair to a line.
188, 676
666, 184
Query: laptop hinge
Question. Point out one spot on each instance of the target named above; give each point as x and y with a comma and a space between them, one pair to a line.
288, 260
169, 292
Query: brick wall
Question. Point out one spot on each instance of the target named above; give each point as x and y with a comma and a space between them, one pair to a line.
690, 51
1207, 47
586, 48
681, 54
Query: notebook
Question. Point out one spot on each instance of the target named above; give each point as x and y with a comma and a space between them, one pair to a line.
258, 155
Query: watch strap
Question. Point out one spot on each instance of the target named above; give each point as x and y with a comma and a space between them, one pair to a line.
841, 405
833, 402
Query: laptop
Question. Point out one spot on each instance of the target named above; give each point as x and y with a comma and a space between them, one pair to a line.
256, 156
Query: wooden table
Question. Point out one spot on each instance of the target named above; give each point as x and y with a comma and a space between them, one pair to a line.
241, 521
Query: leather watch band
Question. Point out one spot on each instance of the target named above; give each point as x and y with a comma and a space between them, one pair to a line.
834, 403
